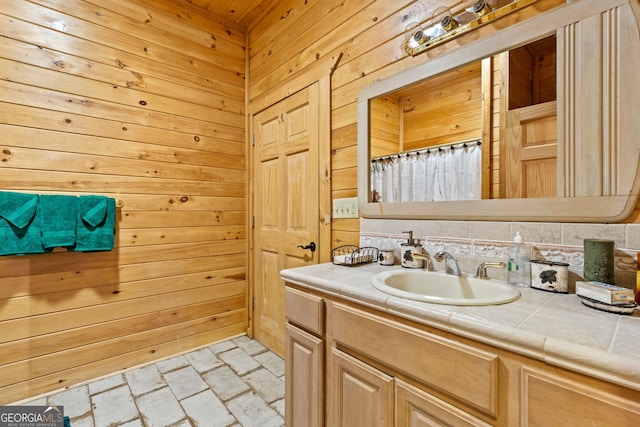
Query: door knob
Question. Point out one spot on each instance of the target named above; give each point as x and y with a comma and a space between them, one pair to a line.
311, 246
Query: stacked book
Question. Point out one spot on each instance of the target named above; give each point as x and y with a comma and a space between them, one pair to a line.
606, 297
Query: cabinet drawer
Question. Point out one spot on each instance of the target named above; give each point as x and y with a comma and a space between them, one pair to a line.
304, 310
463, 372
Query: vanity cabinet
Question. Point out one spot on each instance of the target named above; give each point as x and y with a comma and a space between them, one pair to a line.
386, 370
304, 355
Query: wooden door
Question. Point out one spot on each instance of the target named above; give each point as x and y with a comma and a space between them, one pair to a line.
286, 205
361, 395
531, 151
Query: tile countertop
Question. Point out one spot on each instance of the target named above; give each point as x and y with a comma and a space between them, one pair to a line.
555, 328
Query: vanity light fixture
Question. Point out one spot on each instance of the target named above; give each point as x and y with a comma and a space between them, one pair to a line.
415, 35
443, 16
418, 38
481, 8
448, 23
444, 24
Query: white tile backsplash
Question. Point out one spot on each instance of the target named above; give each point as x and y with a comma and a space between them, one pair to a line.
633, 236
574, 234
539, 232
490, 230
472, 242
459, 229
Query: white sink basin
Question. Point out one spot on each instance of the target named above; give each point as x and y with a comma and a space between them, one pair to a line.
441, 288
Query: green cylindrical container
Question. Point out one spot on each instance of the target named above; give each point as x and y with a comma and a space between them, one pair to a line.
599, 260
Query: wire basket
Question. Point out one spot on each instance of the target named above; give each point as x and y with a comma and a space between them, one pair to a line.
354, 255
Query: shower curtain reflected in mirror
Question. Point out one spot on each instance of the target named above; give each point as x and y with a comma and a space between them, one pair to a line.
441, 173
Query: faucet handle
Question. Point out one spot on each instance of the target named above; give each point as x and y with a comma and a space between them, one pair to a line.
481, 273
424, 256
440, 255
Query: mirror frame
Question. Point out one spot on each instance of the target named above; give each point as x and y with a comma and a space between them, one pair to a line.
607, 209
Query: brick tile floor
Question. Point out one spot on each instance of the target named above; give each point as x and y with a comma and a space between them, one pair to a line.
229, 384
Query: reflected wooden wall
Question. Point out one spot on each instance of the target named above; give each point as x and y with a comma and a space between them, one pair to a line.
386, 118
143, 101
445, 109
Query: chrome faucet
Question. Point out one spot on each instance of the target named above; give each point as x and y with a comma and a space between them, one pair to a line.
450, 264
481, 273
428, 262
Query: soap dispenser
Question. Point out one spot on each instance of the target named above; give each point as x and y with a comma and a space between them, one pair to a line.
408, 252
518, 262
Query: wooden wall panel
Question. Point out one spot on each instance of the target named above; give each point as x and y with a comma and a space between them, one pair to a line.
448, 111
370, 37
386, 126
143, 101
520, 78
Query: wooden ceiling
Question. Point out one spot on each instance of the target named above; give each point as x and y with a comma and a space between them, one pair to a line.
243, 12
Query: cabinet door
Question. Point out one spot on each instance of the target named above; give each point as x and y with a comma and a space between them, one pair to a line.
361, 395
550, 400
304, 391
417, 408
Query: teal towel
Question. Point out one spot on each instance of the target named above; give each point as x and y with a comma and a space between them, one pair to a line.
58, 215
18, 208
96, 223
19, 224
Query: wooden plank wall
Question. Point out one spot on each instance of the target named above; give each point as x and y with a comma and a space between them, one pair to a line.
386, 117
532, 74
142, 101
446, 111
499, 75
370, 36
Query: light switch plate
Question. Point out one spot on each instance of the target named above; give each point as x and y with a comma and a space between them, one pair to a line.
345, 208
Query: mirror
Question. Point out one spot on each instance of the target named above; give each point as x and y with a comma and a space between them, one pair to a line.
595, 161
437, 129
